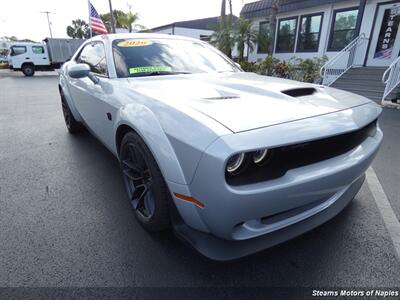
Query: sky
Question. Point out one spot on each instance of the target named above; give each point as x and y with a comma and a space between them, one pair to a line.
23, 18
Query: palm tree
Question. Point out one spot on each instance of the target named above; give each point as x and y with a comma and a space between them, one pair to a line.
78, 30
106, 18
223, 37
245, 36
126, 21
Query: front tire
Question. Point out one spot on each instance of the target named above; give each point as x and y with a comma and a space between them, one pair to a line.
144, 184
73, 125
28, 70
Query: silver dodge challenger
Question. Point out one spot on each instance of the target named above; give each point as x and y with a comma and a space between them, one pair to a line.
234, 162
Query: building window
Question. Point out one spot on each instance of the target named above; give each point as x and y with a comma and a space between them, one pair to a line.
263, 38
343, 28
286, 35
309, 33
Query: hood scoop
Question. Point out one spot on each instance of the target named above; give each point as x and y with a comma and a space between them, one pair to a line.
300, 92
221, 98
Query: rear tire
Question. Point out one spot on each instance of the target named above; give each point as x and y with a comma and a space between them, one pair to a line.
28, 70
144, 184
73, 125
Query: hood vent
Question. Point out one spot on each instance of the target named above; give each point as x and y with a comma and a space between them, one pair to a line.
300, 92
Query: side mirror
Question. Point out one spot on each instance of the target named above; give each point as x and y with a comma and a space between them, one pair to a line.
79, 71
82, 71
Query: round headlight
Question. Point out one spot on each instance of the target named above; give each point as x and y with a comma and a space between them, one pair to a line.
259, 156
234, 163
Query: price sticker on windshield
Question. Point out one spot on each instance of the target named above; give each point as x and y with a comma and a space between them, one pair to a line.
135, 43
150, 69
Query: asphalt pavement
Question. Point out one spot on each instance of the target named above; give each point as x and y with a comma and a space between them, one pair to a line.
65, 219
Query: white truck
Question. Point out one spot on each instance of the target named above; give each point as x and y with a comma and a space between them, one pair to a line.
46, 56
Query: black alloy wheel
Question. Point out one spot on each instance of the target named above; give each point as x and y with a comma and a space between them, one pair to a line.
144, 183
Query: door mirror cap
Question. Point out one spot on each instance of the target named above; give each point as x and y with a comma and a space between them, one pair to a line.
79, 71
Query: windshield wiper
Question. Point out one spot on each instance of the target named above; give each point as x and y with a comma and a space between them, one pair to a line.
160, 73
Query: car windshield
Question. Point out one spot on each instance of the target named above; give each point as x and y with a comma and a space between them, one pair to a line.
152, 57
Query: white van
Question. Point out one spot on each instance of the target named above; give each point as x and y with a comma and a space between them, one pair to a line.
31, 57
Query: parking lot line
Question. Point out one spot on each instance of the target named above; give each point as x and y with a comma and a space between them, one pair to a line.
391, 222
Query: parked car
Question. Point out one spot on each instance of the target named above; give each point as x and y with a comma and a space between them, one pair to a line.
31, 57
3, 59
235, 162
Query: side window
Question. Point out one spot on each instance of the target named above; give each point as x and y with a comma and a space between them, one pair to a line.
94, 55
263, 37
37, 49
343, 29
309, 33
17, 50
286, 35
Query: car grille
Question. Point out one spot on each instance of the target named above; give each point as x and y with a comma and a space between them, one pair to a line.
283, 159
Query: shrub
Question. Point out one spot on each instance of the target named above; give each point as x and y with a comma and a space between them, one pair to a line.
248, 66
282, 69
296, 68
267, 65
310, 67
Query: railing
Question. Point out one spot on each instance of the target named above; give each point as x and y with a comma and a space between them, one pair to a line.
392, 80
343, 61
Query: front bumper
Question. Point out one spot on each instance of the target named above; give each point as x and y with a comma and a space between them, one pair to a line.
223, 250
239, 220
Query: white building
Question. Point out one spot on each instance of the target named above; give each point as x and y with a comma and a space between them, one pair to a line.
310, 28
198, 29
313, 28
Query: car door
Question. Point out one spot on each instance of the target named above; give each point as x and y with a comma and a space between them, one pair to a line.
94, 101
40, 56
18, 54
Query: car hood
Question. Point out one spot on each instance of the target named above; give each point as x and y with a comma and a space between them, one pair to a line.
245, 101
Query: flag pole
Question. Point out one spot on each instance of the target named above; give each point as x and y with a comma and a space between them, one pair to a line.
90, 20
111, 17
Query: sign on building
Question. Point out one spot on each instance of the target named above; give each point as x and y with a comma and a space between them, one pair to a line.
387, 34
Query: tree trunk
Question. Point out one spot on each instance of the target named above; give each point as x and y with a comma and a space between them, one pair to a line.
223, 10
272, 24
228, 50
241, 52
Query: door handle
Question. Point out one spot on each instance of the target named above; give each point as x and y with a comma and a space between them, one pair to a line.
44, 57
27, 58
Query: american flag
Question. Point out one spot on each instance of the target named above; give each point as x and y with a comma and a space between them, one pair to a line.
96, 24
384, 54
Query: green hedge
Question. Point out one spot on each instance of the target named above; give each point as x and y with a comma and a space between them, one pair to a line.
296, 68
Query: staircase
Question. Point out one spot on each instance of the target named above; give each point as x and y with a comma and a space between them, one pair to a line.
365, 81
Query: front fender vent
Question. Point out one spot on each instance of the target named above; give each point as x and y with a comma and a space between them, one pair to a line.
300, 92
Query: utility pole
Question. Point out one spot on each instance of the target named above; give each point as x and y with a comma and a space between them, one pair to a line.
48, 21
112, 17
